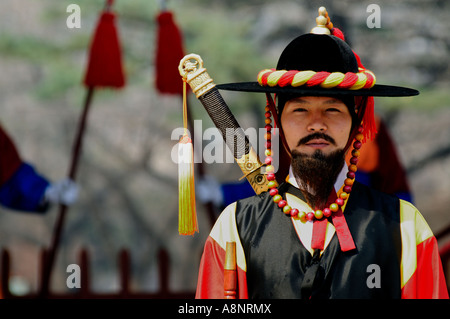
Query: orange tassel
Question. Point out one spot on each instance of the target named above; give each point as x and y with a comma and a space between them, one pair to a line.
187, 216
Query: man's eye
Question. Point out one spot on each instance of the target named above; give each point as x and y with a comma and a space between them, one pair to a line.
300, 109
333, 109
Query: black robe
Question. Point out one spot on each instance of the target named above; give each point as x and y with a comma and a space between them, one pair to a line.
279, 266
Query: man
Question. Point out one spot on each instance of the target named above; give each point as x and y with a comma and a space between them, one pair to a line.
321, 233
24, 189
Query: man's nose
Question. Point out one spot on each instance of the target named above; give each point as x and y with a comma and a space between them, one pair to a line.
316, 123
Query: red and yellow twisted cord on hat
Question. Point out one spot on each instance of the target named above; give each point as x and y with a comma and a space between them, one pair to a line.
364, 79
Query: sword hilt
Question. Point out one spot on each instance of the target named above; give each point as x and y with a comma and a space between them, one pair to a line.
192, 70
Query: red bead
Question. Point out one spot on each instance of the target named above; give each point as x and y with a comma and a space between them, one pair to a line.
273, 191
282, 203
294, 212
347, 189
357, 145
360, 129
268, 127
268, 160
268, 144
354, 160
327, 212
351, 175
340, 201
270, 176
310, 216
268, 114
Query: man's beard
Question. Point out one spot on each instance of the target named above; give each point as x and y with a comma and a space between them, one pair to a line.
316, 174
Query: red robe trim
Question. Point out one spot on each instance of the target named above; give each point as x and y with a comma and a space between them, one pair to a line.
211, 278
427, 281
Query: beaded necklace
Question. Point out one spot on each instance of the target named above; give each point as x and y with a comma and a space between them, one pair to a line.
282, 203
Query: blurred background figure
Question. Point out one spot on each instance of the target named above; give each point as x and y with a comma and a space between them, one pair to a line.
22, 188
380, 167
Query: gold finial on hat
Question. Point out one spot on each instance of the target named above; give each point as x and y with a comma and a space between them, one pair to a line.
324, 24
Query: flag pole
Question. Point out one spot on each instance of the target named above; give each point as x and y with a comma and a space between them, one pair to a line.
104, 70
76, 151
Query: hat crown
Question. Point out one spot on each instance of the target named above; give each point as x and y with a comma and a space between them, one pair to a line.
318, 53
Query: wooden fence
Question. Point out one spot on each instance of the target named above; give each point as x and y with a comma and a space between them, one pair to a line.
163, 292
85, 292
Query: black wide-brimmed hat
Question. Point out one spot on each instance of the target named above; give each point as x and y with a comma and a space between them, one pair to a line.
319, 65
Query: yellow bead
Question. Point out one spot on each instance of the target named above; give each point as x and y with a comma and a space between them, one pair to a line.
272, 184
343, 195
268, 152
287, 209
352, 168
359, 137
318, 214
302, 216
269, 168
334, 207
348, 181
268, 121
277, 198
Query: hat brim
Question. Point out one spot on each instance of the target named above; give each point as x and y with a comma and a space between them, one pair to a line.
376, 90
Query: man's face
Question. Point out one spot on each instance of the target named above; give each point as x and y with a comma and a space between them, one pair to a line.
313, 123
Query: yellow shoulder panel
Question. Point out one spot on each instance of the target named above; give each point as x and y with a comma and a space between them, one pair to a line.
414, 230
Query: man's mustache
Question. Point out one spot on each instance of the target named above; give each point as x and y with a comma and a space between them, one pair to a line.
314, 136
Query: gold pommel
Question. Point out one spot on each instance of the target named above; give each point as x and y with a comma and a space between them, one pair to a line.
192, 70
323, 23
